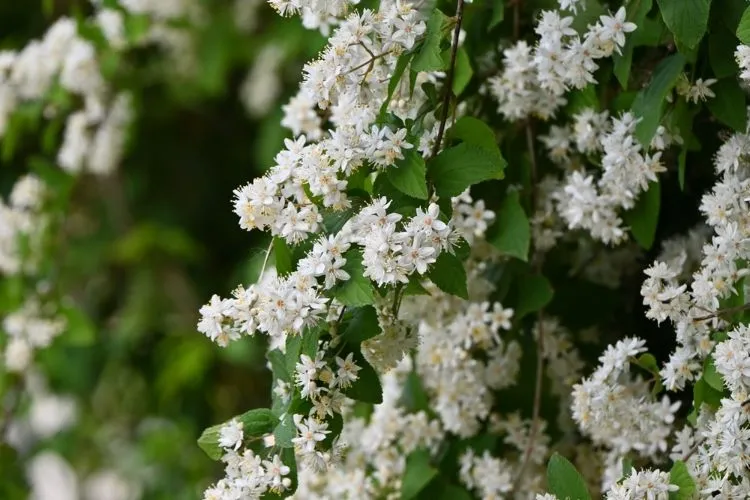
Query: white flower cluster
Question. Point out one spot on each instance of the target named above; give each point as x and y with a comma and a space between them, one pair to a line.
490, 477
380, 443
693, 310
615, 409
64, 62
534, 81
646, 483
316, 14
460, 383
29, 328
627, 170
247, 475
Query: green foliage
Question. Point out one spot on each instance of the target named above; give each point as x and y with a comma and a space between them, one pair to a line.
455, 169
357, 290
564, 481
534, 293
649, 102
408, 175
637, 10
449, 275
743, 29
429, 57
644, 217
418, 474
513, 234
680, 477
686, 19
729, 105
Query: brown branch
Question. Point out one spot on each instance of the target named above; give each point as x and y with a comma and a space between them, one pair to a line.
722, 312
536, 409
449, 78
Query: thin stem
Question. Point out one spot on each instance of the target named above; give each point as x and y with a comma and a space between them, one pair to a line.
369, 62
265, 260
449, 78
536, 409
534, 431
722, 312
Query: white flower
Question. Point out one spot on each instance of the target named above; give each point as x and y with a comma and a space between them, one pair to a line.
231, 435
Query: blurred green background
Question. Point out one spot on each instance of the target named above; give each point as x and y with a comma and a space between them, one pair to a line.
142, 250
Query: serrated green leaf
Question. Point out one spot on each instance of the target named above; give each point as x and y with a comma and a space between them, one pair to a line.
428, 57
367, 387
418, 474
686, 19
644, 217
649, 102
637, 10
362, 325
743, 29
711, 376
457, 168
475, 132
357, 290
680, 477
704, 393
647, 361
285, 431
256, 422
513, 234
409, 175
534, 292
209, 442
564, 481
462, 73
730, 105
449, 275
283, 256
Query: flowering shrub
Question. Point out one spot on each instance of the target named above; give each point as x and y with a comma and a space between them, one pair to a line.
470, 196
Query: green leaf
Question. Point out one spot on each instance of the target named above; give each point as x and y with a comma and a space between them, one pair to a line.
429, 58
462, 73
475, 132
136, 27
637, 10
729, 106
649, 101
686, 19
644, 217
79, 328
398, 72
283, 256
722, 60
367, 387
513, 229
285, 431
498, 13
581, 99
257, 422
357, 290
647, 361
743, 30
534, 292
209, 442
457, 168
680, 476
704, 393
564, 481
418, 474
449, 275
711, 376
362, 325
409, 175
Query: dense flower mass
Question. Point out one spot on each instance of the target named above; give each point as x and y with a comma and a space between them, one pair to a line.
455, 227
